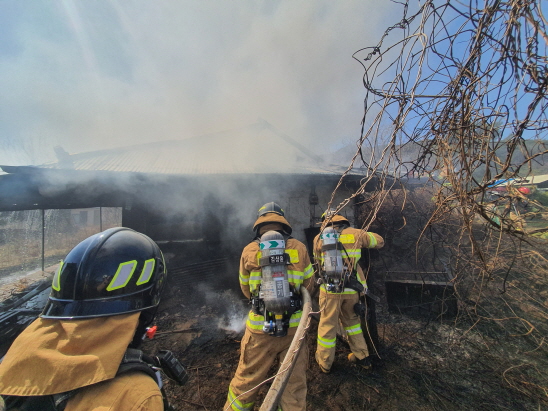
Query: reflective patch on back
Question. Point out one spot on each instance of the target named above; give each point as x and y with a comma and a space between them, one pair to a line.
347, 239
293, 256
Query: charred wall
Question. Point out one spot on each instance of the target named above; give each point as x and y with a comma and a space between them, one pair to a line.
194, 218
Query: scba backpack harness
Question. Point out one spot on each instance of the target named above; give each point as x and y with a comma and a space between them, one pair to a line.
275, 299
336, 275
133, 360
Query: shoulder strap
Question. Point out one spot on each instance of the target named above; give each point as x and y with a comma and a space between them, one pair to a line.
42, 403
135, 360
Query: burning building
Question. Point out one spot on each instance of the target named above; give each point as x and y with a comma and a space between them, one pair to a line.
197, 198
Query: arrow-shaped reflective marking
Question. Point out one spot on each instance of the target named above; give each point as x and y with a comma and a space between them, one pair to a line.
272, 244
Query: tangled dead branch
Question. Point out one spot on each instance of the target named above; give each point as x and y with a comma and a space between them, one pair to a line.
454, 128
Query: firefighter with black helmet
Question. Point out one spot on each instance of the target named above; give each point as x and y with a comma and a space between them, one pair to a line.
82, 352
337, 251
273, 267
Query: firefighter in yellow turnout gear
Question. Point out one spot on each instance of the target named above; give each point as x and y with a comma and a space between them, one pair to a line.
82, 353
337, 250
265, 341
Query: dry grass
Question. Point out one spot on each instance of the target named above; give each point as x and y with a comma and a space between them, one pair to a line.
497, 341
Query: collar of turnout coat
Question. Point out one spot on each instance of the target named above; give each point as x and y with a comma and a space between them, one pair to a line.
53, 356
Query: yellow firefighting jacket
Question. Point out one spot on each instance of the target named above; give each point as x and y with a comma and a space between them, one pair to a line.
53, 356
300, 272
353, 240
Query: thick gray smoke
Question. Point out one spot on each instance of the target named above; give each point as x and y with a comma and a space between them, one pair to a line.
91, 75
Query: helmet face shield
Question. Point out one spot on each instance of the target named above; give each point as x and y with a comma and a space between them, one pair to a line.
114, 272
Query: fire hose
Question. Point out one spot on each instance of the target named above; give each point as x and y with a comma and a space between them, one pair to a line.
276, 390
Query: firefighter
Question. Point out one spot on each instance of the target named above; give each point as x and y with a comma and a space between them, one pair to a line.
82, 352
337, 251
268, 280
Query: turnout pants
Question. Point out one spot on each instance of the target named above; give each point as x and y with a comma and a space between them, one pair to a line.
334, 307
258, 353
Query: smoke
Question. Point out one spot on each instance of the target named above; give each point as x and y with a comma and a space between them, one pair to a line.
90, 75
232, 311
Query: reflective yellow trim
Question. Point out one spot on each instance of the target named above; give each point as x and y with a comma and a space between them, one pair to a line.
254, 280
295, 277
146, 273
327, 342
124, 275
237, 405
372, 240
256, 322
346, 290
347, 239
308, 272
254, 325
56, 283
352, 252
353, 329
293, 256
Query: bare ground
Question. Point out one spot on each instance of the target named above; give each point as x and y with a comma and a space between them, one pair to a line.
468, 362
424, 364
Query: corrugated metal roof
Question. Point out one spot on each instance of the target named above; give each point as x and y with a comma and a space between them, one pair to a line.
257, 149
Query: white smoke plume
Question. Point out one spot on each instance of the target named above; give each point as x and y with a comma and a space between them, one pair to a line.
103, 74
232, 311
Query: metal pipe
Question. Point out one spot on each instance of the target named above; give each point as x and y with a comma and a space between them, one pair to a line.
276, 390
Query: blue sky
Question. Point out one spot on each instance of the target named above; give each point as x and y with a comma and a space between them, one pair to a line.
97, 74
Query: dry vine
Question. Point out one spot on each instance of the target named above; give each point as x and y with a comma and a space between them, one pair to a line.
455, 123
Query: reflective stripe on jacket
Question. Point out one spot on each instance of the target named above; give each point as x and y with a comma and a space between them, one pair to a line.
298, 271
353, 240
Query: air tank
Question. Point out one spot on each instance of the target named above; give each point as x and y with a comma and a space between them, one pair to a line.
274, 284
331, 252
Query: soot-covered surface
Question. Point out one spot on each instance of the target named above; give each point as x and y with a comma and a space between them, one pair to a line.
424, 365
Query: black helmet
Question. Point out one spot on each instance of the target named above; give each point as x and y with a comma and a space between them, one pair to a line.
114, 272
271, 207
